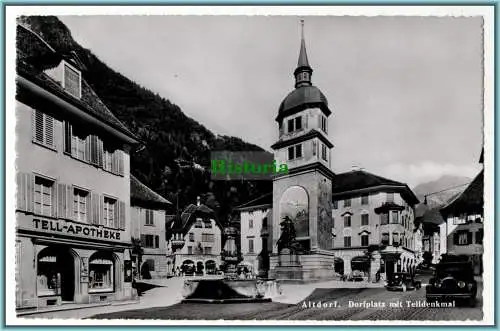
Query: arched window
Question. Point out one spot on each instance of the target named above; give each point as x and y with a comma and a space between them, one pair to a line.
101, 272
294, 203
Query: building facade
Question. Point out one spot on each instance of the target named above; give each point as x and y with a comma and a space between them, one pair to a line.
464, 223
73, 186
194, 241
373, 228
252, 217
148, 213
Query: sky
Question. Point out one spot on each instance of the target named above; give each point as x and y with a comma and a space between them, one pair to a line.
405, 92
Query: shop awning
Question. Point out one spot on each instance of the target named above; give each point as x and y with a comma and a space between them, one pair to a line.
101, 261
48, 258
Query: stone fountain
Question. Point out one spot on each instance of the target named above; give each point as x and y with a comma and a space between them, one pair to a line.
229, 288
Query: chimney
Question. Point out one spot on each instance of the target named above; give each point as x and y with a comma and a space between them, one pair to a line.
355, 168
198, 200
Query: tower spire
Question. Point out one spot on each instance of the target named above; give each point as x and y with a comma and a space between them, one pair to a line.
303, 62
304, 71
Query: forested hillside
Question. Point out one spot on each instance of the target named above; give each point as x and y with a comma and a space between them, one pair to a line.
175, 160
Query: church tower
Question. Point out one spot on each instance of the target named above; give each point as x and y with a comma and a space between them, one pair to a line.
305, 193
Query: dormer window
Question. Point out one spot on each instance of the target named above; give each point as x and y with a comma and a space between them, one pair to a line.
72, 80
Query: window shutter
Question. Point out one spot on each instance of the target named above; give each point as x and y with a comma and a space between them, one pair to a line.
30, 192
120, 161
116, 222
49, 130
469, 238
53, 199
69, 202
21, 191
157, 241
100, 152
94, 198
67, 137
61, 200
87, 148
101, 210
88, 204
121, 205
38, 126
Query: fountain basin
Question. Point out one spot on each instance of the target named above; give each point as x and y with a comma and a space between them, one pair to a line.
230, 291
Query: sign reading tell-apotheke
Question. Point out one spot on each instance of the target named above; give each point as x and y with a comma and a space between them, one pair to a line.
61, 226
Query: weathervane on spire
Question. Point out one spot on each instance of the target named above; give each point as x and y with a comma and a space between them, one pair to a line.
302, 27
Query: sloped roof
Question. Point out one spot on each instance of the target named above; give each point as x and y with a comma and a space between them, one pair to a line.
428, 215
354, 183
36, 55
264, 201
471, 200
189, 215
141, 194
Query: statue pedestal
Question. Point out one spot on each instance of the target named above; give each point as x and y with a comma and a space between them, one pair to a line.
305, 267
288, 267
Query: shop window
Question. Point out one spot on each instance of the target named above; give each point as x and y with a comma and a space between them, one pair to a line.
48, 279
101, 273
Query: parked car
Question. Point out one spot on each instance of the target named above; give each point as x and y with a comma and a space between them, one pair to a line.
356, 276
452, 281
403, 281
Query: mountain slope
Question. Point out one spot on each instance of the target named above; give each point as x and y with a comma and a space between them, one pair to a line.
449, 185
175, 145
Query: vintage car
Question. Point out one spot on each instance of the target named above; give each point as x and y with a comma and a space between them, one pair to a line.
402, 281
452, 281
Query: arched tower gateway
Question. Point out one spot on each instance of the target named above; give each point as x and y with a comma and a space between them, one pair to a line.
305, 193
